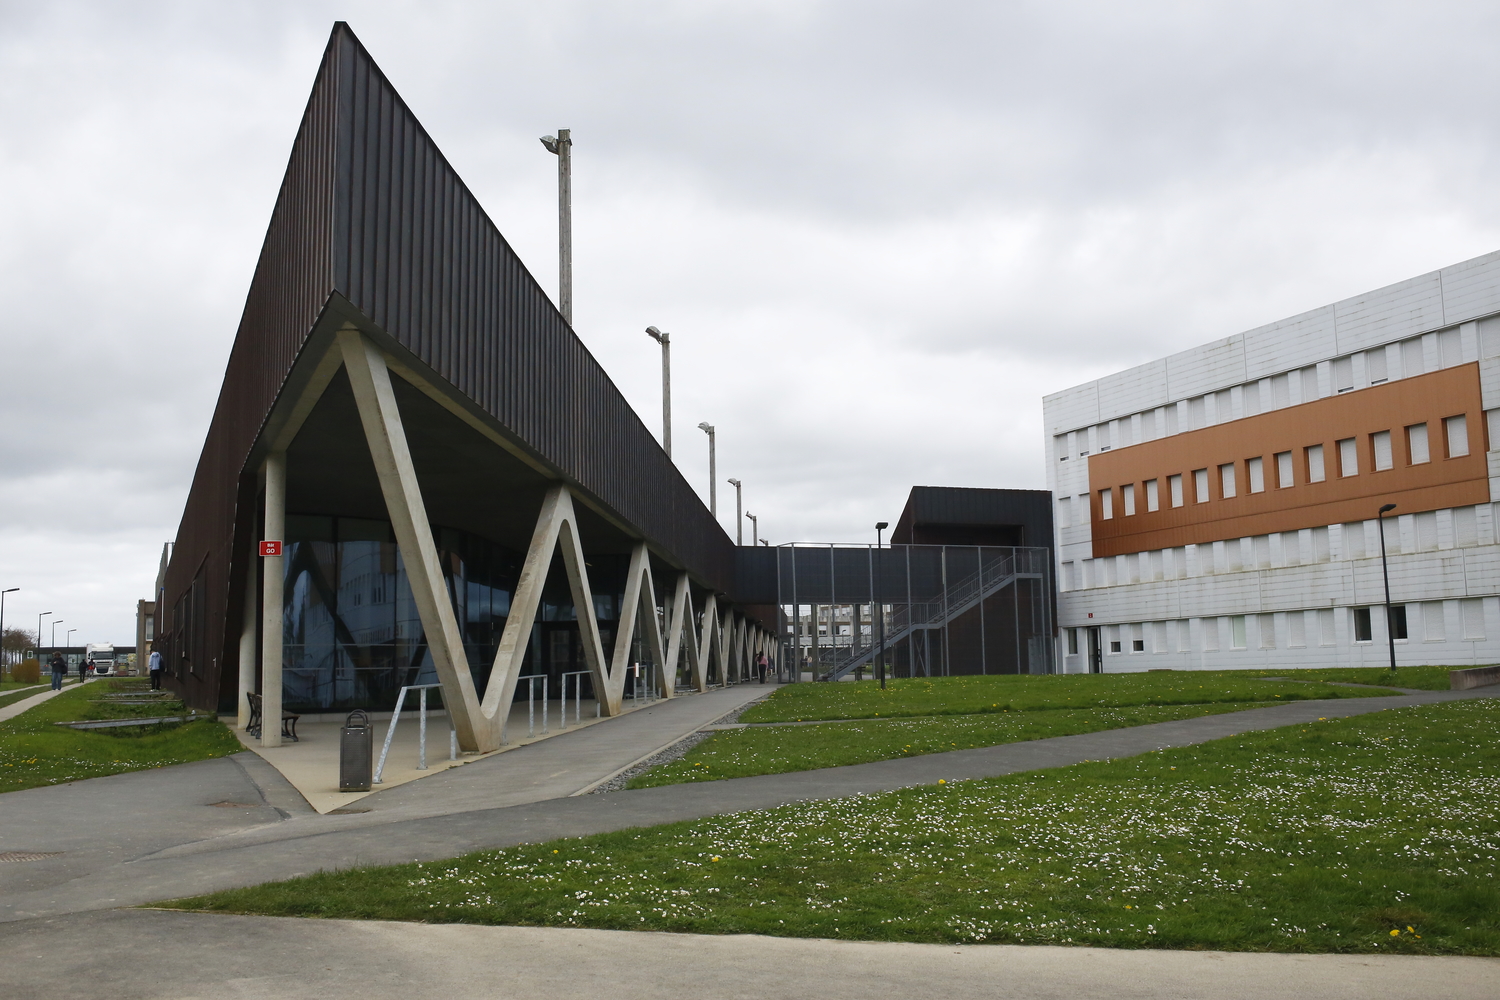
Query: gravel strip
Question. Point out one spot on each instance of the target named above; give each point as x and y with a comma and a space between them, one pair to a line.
673, 752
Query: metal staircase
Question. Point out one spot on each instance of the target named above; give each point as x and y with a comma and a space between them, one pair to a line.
908, 618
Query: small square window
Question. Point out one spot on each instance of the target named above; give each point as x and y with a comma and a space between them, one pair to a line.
1114, 645
1138, 645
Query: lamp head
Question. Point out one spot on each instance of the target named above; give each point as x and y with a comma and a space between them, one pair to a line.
706, 427
10, 591
657, 335
735, 483
550, 141
882, 525
1387, 508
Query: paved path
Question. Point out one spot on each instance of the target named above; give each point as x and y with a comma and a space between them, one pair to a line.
15, 708
156, 955
165, 840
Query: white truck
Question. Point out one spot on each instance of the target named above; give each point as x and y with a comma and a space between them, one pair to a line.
101, 657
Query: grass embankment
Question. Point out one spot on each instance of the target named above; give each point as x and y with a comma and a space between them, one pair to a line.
962, 712
12, 693
35, 752
1423, 678
1372, 834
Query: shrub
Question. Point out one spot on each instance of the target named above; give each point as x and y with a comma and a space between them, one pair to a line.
27, 672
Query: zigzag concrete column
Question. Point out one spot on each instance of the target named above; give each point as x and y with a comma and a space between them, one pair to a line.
386, 436
270, 603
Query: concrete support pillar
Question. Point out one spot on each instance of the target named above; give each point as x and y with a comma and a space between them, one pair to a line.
271, 599
248, 625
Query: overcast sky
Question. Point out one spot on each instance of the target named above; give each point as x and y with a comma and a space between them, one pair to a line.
877, 232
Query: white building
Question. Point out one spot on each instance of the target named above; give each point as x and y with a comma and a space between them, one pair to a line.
1218, 508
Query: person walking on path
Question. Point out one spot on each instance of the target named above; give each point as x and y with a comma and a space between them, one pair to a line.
59, 670
83, 671
760, 666
155, 670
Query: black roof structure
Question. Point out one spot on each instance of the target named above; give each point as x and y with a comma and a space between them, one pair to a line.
955, 515
374, 229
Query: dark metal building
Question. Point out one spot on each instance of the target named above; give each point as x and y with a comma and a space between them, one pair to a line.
373, 231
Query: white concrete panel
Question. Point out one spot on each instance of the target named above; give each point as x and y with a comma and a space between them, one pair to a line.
1390, 313
1290, 343
1489, 384
1471, 289
1071, 409
1203, 369
1132, 390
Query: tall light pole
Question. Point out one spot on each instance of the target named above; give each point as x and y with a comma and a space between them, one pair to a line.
665, 340
39, 618
713, 470
562, 145
12, 590
754, 528
1390, 633
739, 514
880, 527
68, 637
54, 631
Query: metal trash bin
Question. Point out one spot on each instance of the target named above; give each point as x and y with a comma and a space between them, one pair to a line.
356, 752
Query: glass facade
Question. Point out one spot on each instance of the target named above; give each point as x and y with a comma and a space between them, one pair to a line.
350, 629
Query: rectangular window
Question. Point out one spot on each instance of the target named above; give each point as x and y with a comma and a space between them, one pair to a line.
1281, 391
1174, 483
1315, 473
1200, 484
1361, 624
1236, 631
1106, 504
1348, 457
1153, 500
1283, 469
1296, 629
1398, 621
1072, 642
1416, 444
1375, 371
1327, 634
1159, 637
1210, 628
1473, 617
1064, 508
1310, 384
1411, 357
1380, 447
1267, 631
1197, 412
1060, 446
1456, 429
1256, 473
1127, 494
1450, 348
1433, 627
1137, 645
1343, 374
1226, 480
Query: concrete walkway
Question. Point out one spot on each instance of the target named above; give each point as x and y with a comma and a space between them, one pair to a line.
15, 708
234, 822
156, 955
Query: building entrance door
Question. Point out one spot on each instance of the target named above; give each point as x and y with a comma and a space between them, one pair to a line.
1096, 651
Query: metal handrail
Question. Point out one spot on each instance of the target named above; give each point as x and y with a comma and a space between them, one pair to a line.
390, 730
579, 675
531, 702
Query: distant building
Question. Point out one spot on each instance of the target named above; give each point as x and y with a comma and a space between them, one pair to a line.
1218, 507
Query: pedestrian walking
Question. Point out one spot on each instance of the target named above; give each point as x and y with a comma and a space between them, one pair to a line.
155, 670
760, 666
59, 670
83, 671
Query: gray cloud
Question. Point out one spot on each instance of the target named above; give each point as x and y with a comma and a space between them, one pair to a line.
879, 232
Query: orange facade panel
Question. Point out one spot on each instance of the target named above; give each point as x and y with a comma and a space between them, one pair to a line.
1418, 442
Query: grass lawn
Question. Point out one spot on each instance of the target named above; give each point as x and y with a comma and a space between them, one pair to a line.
1423, 678
1378, 834
1025, 692
12, 693
34, 752
777, 749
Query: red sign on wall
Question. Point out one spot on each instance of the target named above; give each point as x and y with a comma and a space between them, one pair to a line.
270, 548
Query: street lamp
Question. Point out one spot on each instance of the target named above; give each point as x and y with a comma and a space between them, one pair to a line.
713, 474
54, 632
68, 637
665, 340
12, 590
880, 526
562, 145
739, 516
754, 529
39, 618
1390, 633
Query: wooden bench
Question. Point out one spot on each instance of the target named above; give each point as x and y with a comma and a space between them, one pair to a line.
288, 719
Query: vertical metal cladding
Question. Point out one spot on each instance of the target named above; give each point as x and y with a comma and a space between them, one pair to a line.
370, 209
